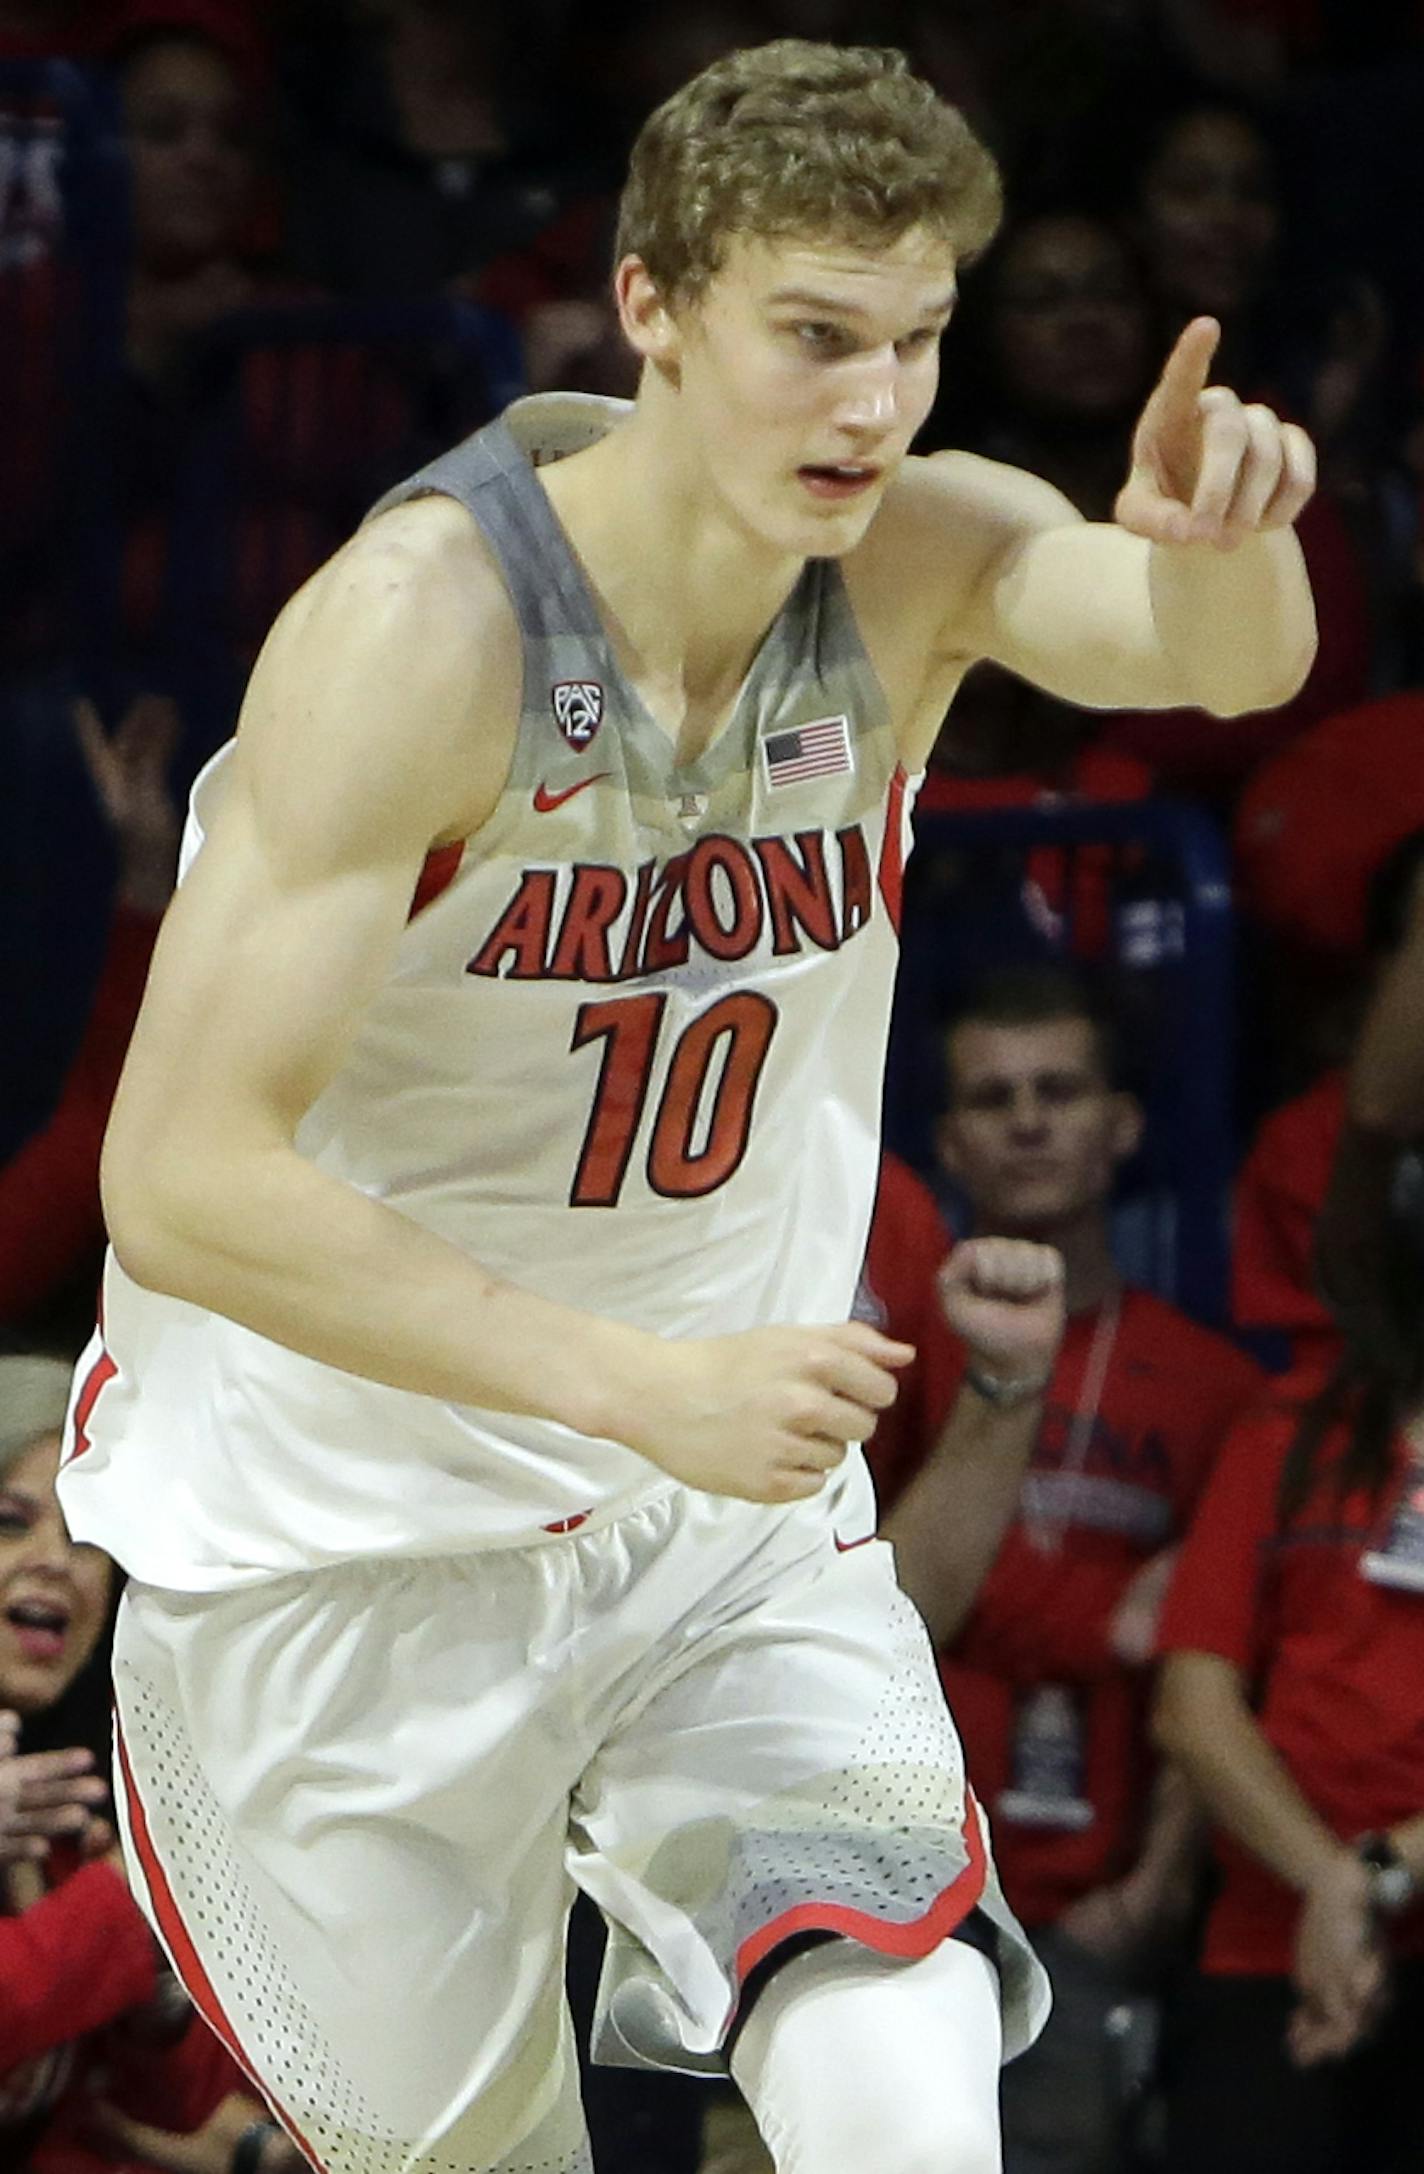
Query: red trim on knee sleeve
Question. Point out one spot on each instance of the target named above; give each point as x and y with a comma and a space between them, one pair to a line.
186, 1960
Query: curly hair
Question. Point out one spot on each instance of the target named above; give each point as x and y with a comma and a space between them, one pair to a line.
807, 141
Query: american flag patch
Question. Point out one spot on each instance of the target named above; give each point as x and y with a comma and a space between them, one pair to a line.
818, 750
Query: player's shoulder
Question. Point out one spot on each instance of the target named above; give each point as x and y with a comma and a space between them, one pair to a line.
401, 658
420, 569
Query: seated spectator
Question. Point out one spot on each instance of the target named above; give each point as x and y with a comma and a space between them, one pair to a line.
1058, 342
1048, 368
1056, 352
1045, 1672
90, 2031
1293, 1696
1282, 1188
1210, 213
1208, 216
414, 156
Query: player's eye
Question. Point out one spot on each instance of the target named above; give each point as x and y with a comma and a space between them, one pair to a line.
915, 343
822, 339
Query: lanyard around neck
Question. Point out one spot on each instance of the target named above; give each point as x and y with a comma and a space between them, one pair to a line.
1046, 1531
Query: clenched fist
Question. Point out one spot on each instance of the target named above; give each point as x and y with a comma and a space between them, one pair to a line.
1003, 1297
768, 1413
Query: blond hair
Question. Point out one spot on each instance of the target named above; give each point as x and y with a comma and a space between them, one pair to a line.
795, 139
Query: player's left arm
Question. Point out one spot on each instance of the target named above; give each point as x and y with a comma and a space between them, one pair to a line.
1194, 595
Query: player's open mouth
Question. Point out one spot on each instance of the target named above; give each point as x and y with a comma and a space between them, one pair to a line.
40, 1628
844, 479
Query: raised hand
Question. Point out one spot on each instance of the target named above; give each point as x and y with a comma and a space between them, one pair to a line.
1003, 1297
1206, 467
45, 1796
766, 1414
129, 769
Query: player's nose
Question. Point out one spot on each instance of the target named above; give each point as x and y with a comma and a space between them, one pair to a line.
871, 400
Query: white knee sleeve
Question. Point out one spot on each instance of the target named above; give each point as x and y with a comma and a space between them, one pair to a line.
855, 2063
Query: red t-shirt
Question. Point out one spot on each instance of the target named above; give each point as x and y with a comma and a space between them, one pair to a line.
71, 1968
908, 1241
1170, 1390
1279, 1195
1320, 817
1336, 1666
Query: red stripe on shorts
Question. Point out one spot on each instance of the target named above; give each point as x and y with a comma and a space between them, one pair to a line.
185, 1956
908, 1940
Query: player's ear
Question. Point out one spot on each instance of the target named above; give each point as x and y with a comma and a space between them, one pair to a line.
649, 325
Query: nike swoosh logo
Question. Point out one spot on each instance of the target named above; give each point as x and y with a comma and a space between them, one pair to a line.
545, 802
847, 1547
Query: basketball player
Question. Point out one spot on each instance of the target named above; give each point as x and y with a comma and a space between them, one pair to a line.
490, 1176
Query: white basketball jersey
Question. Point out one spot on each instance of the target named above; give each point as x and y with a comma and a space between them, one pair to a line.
629, 1057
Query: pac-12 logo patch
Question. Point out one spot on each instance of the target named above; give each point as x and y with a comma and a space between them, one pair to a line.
578, 709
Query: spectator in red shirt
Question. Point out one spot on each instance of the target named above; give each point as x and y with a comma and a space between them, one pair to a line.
1046, 1676
1293, 1695
1284, 1181
86, 2013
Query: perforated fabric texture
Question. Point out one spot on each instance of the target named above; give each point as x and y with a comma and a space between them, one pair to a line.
282, 2042
883, 1838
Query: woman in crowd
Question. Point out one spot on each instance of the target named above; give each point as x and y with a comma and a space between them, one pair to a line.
1293, 1695
101, 2059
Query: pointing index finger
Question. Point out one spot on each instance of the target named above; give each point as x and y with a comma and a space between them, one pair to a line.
1187, 368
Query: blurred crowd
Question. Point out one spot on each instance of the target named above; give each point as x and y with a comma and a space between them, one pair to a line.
256, 263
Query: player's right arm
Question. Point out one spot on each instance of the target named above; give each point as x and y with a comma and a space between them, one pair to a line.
380, 721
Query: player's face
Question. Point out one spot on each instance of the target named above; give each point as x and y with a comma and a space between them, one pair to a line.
53, 1594
1034, 1133
804, 372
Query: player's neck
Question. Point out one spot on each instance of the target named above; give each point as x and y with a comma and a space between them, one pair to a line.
686, 591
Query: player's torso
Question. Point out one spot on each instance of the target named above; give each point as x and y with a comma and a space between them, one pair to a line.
619, 1012
628, 1056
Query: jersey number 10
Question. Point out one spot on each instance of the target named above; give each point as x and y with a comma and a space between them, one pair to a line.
629, 1029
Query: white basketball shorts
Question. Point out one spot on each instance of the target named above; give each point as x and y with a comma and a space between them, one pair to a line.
354, 1804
